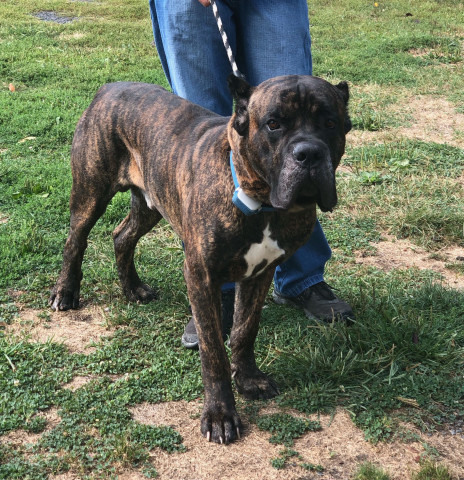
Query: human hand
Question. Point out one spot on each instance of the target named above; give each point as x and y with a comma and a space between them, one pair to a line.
205, 3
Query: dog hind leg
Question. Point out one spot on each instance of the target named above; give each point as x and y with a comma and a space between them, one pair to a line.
85, 211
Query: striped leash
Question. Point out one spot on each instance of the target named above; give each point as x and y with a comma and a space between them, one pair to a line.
225, 41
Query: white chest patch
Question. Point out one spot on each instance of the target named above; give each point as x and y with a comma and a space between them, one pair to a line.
262, 254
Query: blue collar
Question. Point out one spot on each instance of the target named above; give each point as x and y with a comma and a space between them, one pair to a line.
248, 205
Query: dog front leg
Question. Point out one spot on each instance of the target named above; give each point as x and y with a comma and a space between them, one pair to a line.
250, 381
220, 421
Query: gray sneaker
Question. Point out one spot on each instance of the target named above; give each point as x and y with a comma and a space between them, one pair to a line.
319, 303
190, 337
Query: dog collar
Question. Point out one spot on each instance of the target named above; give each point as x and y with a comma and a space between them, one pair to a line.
248, 205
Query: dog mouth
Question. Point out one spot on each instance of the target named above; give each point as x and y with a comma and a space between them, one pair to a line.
304, 200
322, 194
307, 196
325, 204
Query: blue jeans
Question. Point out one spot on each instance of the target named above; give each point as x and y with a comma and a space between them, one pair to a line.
268, 38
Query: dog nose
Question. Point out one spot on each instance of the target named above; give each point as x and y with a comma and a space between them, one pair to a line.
303, 152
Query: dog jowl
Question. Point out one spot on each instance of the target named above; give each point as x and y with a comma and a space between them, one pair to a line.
284, 142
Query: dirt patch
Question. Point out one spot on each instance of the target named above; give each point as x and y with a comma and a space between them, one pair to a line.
82, 380
339, 447
79, 381
77, 329
402, 254
248, 458
51, 16
433, 119
21, 438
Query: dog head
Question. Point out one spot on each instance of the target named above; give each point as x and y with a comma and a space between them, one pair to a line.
289, 136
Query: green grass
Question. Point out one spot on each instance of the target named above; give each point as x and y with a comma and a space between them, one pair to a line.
432, 471
368, 471
286, 428
403, 357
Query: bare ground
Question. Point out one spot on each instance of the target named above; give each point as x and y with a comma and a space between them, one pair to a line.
433, 119
399, 254
339, 447
77, 329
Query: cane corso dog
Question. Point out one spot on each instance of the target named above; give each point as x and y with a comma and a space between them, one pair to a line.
241, 192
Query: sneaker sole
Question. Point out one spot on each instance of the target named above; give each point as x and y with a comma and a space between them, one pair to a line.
190, 344
193, 344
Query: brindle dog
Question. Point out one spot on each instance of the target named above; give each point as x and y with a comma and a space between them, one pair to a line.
287, 137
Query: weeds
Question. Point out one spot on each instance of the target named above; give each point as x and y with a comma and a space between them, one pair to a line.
432, 471
369, 471
285, 428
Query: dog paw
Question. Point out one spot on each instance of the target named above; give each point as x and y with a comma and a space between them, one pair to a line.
61, 299
141, 293
257, 386
221, 425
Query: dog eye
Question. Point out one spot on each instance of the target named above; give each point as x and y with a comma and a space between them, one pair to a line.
273, 125
330, 124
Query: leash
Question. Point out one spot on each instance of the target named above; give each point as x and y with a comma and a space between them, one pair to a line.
225, 41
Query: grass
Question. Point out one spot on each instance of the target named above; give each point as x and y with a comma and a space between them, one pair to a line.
432, 471
401, 360
368, 471
285, 428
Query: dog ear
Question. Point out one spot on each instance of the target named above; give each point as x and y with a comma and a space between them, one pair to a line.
241, 92
345, 93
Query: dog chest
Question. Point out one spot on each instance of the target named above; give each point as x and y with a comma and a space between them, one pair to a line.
261, 254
